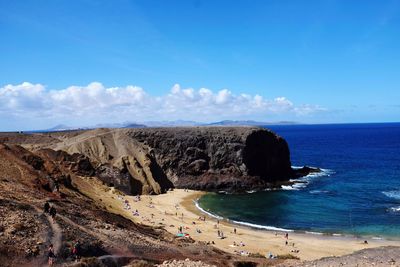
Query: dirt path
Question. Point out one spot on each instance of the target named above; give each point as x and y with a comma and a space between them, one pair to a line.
55, 235
103, 237
56, 238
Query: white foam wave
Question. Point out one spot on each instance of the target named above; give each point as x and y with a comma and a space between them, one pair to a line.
306, 180
392, 194
297, 167
395, 209
251, 191
314, 233
270, 228
288, 187
196, 203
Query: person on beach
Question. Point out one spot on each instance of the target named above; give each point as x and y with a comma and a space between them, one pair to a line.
287, 235
219, 233
46, 207
234, 231
51, 256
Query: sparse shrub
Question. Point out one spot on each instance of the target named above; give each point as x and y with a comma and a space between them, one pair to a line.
19, 227
288, 257
245, 264
89, 262
107, 189
139, 263
256, 255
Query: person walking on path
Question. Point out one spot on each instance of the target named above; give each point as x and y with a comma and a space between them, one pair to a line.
53, 213
76, 251
51, 256
46, 207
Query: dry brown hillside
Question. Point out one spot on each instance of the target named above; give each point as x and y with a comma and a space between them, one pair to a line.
27, 181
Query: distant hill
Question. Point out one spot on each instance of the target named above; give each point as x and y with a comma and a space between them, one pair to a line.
176, 123
61, 128
235, 123
134, 125
246, 123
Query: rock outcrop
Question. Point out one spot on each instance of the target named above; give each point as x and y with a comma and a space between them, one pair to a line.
218, 158
119, 160
152, 160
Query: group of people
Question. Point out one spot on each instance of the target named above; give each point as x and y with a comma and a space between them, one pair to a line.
237, 245
51, 256
75, 251
127, 205
51, 210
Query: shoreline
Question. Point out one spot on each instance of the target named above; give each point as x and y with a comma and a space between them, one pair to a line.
278, 229
256, 227
311, 246
176, 209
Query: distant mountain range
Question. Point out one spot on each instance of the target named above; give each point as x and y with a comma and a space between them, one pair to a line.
176, 123
246, 123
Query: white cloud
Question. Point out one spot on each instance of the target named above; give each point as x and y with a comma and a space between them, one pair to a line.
132, 103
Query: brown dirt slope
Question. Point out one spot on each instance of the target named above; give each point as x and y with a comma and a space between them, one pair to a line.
106, 239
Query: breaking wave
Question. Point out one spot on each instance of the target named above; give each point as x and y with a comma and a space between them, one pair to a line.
302, 182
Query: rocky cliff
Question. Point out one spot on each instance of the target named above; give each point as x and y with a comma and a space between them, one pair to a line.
152, 160
218, 158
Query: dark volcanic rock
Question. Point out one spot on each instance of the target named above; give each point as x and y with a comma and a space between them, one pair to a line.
218, 158
76, 162
112, 176
305, 171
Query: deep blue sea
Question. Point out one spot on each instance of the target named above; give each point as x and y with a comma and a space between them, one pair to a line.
358, 194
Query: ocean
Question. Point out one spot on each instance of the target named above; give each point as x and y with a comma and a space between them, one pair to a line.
358, 192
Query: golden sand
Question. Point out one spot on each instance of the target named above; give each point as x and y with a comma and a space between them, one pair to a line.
177, 209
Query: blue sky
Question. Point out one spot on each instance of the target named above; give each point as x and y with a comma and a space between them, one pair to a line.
306, 61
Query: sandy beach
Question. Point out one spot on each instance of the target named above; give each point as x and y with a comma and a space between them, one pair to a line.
177, 209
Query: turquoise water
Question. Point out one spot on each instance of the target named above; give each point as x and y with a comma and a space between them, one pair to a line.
358, 194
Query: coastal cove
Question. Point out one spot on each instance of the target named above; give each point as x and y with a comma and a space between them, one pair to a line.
357, 194
177, 208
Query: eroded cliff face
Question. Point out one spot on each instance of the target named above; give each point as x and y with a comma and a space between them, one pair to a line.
152, 160
218, 158
119, 160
